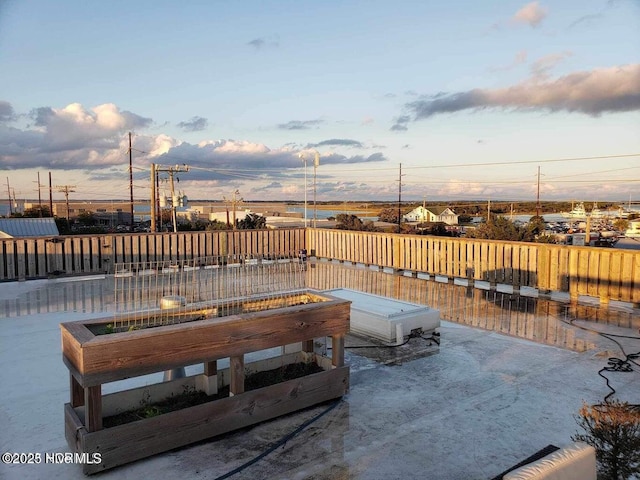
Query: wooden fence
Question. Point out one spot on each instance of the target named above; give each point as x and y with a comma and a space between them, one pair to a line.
604, 273
30, 258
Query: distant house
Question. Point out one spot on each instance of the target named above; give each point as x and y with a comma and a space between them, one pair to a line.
432, 215
28, 227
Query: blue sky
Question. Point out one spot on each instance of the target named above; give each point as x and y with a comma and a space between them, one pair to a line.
470, 97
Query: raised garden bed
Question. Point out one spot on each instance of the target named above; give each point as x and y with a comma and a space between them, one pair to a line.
95, 357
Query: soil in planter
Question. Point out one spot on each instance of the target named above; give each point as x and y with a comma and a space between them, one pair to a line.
191, 398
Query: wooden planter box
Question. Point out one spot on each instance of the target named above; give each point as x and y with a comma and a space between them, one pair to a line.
96, 359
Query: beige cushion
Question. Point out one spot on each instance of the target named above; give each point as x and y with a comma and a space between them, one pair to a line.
574, 462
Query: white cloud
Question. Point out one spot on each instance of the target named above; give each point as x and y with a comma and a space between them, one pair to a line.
613, 89
532, 14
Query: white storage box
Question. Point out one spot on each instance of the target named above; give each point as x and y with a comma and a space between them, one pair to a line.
384, 318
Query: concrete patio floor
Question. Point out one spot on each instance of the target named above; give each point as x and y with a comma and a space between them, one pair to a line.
477, 405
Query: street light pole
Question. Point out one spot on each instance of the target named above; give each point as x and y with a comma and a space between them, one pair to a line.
316, 163
304, 160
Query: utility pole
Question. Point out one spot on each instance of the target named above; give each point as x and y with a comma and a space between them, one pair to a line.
66, 189
50, 196
538, 207
489, 211
9, 197
400, 199
304, 161
172, 171
39, 196
316, 164
234, 201
158, 210
152, 204
131, 183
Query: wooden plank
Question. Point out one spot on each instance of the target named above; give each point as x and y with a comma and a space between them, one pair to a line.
583, 270
76, 392
616, 275
10, 259
135, 248
133, 441
21, 263
106, 358
236, 372
626, 284
337, 352
603, 274
85, 252
93, 408
31, 258
593, 286
635, 290
77, 255
531, 273
554, 266
41, 262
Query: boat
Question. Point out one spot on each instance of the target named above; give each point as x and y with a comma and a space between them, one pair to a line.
596, 212
634, 229
577, 213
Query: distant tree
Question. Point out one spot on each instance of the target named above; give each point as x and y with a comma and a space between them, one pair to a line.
464, 219
253, 221
216, 225
36, 211
434, 228
545, 239
536, 224
348, 222
499, 228
621, 224
87, 219
63, 226
389, 215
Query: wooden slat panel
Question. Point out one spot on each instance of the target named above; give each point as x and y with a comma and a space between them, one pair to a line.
615, 270
41, 262
77, 255
107, 357
604, 274
21, 263
593, 286
125, 443
583, 271
626, 280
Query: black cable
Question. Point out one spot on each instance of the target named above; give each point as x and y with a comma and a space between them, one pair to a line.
279, 443
614, 364
411, 335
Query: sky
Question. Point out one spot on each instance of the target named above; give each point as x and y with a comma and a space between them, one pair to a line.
439, 100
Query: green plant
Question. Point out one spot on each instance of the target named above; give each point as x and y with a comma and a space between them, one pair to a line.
613, 429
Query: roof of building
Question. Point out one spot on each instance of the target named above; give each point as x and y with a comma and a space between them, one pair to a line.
28, 227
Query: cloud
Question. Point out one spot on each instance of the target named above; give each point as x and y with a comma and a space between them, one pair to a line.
540, 68
264, 42
6, 112
518, 59
225, 159
587, 20
341, 142
400, 124
300, 124
196, 124
532, 14
70, 137
615, 89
